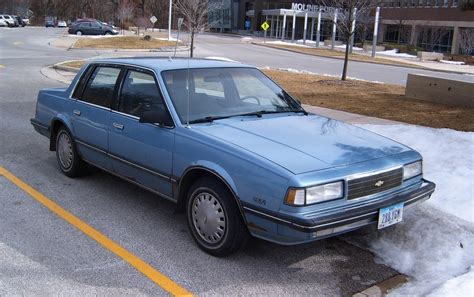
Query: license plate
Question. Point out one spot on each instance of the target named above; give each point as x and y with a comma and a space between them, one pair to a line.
390, 215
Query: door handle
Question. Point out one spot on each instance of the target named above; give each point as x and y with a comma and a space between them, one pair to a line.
77, 112
118, 126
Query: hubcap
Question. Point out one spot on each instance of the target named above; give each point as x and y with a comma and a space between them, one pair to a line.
208, 217
65, 152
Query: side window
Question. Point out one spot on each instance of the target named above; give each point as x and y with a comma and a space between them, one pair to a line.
82, 83
101, 86
139, 94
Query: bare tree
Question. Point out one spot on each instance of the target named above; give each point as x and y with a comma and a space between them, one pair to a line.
345, 17
195, 14
466, 40
125, 11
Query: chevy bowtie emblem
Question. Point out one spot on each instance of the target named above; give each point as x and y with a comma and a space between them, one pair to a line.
379, 183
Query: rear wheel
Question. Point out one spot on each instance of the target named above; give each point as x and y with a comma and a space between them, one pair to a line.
78, 33
66, 154
214, 219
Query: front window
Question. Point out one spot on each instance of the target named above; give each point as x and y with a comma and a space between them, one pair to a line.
214, 93
139, 94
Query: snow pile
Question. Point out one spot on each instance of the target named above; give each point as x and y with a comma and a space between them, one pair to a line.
308, 42
451, 62
246, 39
435, 242
462, 286
395, 53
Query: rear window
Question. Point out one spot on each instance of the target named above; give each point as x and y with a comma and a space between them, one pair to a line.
100, 88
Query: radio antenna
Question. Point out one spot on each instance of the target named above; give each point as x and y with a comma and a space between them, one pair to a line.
188, 83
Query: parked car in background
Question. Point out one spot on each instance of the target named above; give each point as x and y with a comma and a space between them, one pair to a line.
231, 148
62, 24
3, 23
20, 21
11, 22
49, 24
26, 20
91, 28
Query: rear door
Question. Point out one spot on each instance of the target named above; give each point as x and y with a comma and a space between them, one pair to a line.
91, 112
142, 152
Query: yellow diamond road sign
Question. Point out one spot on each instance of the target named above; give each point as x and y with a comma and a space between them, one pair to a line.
265, 26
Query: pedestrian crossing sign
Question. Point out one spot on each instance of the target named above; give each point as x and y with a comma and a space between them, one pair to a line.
265, 26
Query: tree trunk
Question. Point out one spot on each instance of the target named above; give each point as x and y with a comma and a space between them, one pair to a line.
191, 50
346, 60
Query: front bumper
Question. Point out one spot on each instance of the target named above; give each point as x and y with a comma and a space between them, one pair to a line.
289, 229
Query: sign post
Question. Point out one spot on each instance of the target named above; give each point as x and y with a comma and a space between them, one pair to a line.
169, 19
334, 27
265, 27
318, 28
153, 20
180, 23
376, 29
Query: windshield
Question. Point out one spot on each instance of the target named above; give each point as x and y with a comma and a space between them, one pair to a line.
225, 92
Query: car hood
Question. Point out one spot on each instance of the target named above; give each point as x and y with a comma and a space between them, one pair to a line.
301, 143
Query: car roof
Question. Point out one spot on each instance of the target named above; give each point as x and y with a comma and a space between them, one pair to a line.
161, 63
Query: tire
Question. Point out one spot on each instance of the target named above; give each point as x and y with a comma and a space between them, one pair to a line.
66, 154
108, 33
211, 208
79, 33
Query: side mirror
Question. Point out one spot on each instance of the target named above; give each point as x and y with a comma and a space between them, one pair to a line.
159, 116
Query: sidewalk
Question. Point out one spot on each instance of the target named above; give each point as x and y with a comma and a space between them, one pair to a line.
66, 77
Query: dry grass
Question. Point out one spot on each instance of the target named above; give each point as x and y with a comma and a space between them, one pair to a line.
122, 42
372, 99
339, 55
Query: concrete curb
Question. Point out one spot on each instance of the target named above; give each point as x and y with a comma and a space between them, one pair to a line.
368, 62
381, 289
51, 73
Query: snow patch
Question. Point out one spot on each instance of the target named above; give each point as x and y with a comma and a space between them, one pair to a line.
451, 62
221, 59
320, 74
460, 286
279, 42
435, 242
395, 53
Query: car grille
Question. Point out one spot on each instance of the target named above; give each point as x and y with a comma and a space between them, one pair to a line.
373, 184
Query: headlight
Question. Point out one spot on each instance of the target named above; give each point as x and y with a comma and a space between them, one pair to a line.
316, 194
412, 169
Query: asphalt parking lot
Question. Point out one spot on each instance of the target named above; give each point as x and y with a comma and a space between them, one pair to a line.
41, 252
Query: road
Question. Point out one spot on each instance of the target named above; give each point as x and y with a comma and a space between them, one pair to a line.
42, 254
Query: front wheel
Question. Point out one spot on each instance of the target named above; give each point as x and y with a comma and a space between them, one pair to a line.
66, 154
214, 219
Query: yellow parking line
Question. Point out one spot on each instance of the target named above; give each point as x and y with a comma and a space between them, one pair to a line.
18, 42
160, 279
2, 66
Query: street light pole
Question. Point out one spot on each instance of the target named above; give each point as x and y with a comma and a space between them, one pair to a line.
169, 20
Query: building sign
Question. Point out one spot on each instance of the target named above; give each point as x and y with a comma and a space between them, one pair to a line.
311, 8
304, 7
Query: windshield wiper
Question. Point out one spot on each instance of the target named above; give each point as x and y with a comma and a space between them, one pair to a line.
259, 114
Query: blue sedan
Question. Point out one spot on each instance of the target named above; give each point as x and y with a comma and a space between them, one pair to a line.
231, 148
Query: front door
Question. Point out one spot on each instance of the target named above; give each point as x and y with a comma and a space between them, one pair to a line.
91, 113
141, 152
